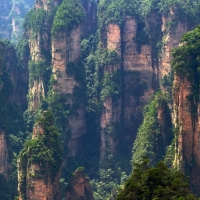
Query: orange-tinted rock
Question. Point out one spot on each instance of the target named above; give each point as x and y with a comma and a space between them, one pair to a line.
79, 187
171, 39
186, 119
66, 49
37, 181
111, 110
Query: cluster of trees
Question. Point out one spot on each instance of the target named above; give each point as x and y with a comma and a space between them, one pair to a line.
155, 183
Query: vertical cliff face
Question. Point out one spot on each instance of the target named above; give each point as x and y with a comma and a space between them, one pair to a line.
18, 76
40, 46
138, 78
65, 57
5, 167
89, 25
111, 111
186, 119
172, 33
40, 161
11, 98
79, 187
186, 107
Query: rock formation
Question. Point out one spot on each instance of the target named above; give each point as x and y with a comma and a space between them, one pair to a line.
79, 187
39, 164
5, 167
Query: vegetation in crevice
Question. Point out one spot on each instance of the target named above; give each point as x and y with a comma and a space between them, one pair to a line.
155, 134
112, 173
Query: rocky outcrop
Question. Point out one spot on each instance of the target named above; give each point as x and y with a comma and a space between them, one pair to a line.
5, 167
79, 187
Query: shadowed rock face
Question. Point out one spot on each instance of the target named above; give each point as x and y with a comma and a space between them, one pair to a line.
138, 78
79, 187
5, 166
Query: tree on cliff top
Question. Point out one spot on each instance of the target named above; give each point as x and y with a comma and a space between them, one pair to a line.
155, 183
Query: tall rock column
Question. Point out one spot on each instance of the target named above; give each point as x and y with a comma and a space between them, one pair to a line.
186, 107
138, 80
40, 47
39, 163
68, 84
111, 92
172, 33
79, 187
5, 166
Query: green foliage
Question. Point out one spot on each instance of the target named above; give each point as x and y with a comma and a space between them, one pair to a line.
155, 183
37, 69
111, 176
186, 63
59, 109
12, 124
111, 85
115, 11
69, 14
37, 20
45, 148
188, 9
186, 57
22, 50
152, 138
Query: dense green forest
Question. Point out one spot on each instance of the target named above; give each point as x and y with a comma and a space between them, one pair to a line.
155, 183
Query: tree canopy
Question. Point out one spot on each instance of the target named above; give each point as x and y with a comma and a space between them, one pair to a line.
155, 183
